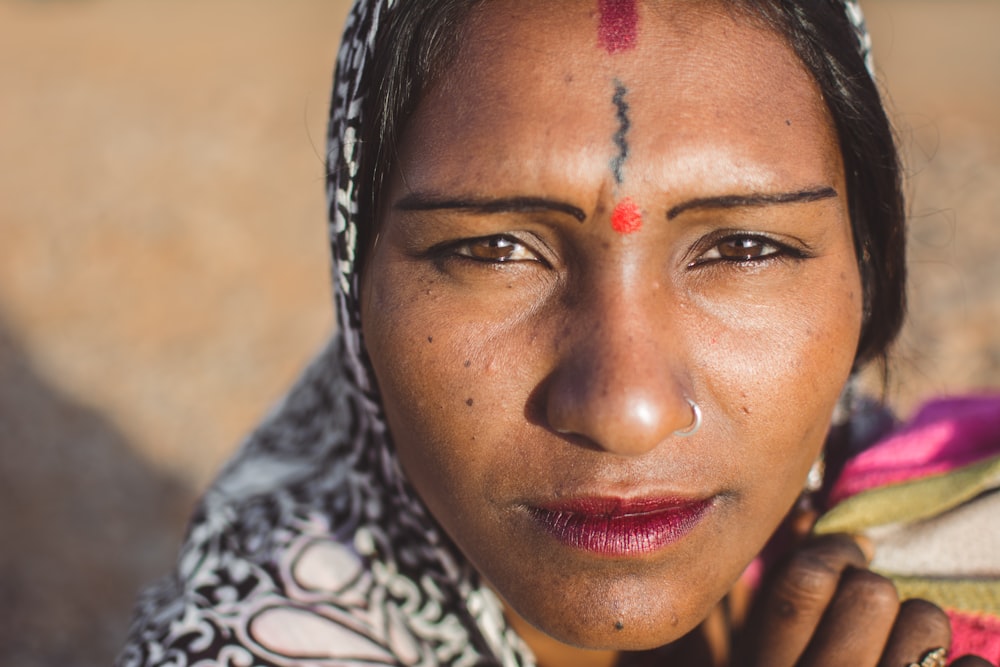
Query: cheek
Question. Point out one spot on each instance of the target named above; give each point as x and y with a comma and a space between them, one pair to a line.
777, 365
442, 372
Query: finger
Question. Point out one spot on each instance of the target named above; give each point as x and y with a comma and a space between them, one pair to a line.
857, 624
971, 661
802, 522
794, 600
920, 628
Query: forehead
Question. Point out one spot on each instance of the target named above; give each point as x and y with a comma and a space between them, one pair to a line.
708, 89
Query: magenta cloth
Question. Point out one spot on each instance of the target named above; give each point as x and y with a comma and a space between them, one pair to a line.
976, 634
945, 434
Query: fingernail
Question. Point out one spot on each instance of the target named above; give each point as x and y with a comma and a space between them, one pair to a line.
803, 522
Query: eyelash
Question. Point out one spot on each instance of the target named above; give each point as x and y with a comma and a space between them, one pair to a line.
714, 242
462, 250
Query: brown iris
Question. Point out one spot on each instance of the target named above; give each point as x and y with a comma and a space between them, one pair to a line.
493, 249
742, 249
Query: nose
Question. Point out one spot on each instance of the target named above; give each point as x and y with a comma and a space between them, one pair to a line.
618, 380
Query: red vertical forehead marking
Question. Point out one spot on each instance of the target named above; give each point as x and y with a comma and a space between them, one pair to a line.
626, 218
618, 26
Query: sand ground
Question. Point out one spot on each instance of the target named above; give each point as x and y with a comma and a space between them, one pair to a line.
163, 273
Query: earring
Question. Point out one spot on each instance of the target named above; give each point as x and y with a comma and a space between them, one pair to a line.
814, 480
695, 422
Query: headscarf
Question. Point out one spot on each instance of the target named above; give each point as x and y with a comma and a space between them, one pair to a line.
311, 548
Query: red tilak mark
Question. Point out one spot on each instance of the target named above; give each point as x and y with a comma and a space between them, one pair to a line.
619, 25
627, 217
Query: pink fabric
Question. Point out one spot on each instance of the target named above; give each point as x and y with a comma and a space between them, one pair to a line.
945, 434
971, 633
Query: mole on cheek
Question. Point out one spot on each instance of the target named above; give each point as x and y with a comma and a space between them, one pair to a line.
619, 24
626, 218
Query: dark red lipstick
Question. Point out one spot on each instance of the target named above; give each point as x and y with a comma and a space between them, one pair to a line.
617, 526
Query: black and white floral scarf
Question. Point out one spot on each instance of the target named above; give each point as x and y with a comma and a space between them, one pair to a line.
310, 548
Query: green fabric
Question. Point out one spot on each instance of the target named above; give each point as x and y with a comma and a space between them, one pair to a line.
968, 595
914, 501
911, 501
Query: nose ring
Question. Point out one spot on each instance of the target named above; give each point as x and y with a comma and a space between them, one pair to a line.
695, 423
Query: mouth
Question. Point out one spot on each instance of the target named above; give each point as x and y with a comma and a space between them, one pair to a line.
619, 527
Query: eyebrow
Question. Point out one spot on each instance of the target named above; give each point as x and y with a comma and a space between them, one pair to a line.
744, 201
418, 201
428, 202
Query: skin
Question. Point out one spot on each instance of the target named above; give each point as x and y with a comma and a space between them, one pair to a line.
563, 371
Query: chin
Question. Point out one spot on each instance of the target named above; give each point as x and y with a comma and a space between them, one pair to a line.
636, 634
630, 613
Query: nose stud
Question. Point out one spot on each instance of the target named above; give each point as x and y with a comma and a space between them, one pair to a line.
695, 422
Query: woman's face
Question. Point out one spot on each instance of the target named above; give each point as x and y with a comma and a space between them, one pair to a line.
595, 217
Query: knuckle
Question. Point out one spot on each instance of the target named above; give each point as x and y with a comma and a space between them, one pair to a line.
820, 565
873, 591
925, 617
808, 583
839, 551
812, 575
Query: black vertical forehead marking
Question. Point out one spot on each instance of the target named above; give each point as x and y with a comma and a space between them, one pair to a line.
621, 136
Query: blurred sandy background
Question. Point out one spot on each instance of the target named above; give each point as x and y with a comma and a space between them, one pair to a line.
163, 269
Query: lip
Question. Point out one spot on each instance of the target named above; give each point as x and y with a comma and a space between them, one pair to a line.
619, 527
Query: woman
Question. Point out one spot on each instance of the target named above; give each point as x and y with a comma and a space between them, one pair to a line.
603, 272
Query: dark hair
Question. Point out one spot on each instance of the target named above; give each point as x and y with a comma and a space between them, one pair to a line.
826, 42
416, 45
422, 38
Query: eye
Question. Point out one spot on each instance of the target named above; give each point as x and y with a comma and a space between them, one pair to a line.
744, 249
494, 249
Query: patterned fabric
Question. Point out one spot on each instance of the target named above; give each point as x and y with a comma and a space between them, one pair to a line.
857, 18
310, 548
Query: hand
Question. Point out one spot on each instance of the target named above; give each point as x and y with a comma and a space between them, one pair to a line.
824, 608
